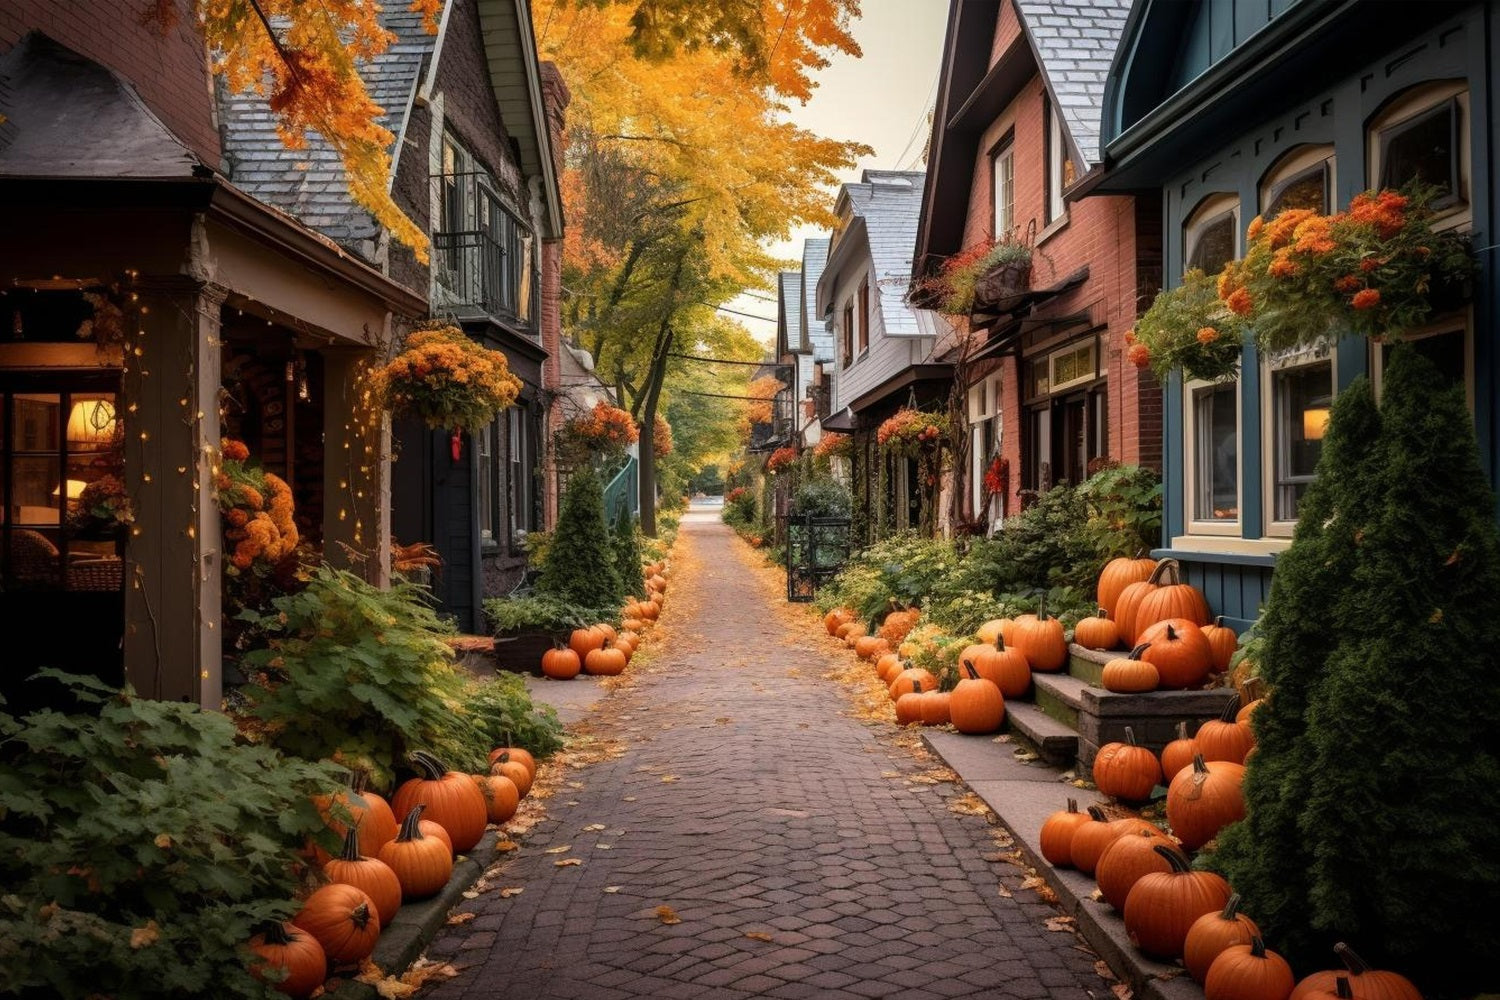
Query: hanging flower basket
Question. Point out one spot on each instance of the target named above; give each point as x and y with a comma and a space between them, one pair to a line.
781, 459
912, 432
1377, 269
447, 380
1191, 328
257, 510
983, 277
833, 445
605, 431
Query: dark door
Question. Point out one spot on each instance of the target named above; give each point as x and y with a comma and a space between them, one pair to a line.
1070, 439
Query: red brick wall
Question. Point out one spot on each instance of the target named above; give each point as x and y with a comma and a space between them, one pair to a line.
469, 100
169, 68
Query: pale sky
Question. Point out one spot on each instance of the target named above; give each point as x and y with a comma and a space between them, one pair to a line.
881, 100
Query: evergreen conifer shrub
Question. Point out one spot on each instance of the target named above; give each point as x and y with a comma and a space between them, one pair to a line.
627, 552
580, 567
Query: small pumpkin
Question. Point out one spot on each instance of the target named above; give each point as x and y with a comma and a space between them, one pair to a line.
286, 947
1178, 651
1203, 799
345, 921
1118, 574
1365, 983
1097, 632
1090, 840
1224, 738
1212, 933
1040, 639
852, 625
423, 864
976, 705
1006, 668
501, 797
371, 875
452, 800
1163, 906
520, 755
561, 663
868, 647
515, 770
909, 707
1178, 754
1247, 712
1129, 858
1222, 642
1057, 834
370, 812
1130, 674
936, 707
912, 677
584, 639
888, 666
1126, 770
1248, 972
604, 662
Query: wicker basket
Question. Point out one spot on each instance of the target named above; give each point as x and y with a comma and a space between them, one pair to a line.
96, 574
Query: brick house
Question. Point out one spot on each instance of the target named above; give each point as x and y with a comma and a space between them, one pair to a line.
1016, 127
478, 123
135, 272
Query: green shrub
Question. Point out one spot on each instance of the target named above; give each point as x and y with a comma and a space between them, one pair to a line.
140, 847
543, 614
626, 547
896, 571
505, 715
537, 544
739, 507
821, 498
1046, 545
579, 567
356, 673
1124, 510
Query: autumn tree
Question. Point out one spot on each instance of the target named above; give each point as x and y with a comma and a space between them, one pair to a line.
681, 166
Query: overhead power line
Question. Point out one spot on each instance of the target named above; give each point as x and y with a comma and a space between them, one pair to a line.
721, 361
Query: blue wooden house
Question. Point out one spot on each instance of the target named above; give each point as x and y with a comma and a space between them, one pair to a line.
1238, 108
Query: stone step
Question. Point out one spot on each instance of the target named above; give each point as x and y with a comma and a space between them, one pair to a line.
1057, 743
1088, 664
1060, 696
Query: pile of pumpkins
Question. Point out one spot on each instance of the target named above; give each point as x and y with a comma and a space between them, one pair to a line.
603, 650
1173, 912
1146, 608
385, 863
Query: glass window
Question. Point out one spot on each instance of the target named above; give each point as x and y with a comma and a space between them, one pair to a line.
1423, 150
1216, 487
1038, 380
1448, 351
484, 463
1300, 399
862, 330
1076, 364
848, 333
1305, 189
1003, 172
1057, 166
1212, 244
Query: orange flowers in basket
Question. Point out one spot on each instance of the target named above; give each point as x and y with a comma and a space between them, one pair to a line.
448, 380
257, 510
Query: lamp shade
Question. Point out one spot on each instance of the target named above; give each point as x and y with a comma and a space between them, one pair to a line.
91, 422
1314, 423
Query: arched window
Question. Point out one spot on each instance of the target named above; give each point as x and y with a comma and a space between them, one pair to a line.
1211, 235
1422, 136
1302, 178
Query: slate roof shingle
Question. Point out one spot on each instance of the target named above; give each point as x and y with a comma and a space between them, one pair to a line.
1075, 42
789, 309
890, 202
815, 333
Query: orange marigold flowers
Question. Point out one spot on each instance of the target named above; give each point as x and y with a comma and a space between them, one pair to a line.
1239, 302
234, 450
447, 379
1256, 225
1278, 232
1129, 337
1283, 267
1348, 283
1365, 298
1207, 335
1139, 355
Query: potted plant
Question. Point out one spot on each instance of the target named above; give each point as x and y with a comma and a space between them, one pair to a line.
984, 277
605, 431
912, 432
526, 627
1188, 327
447, 380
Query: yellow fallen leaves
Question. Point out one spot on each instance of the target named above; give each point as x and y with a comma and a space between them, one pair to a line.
420, 974
506, 845
1061, 924
567, 863
454, 919
669, 778
509, 891
593, 828
667, 915
758, 936
564, 849
612, 888
1043, 890
969, 804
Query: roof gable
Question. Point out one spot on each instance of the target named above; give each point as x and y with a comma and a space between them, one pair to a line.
1075, 43
880, 216
788, 312
815, 333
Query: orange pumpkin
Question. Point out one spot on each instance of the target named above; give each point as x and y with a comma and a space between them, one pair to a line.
371, 814
561, 664
516, 771
909, 707
604, 662
422, 864
912, 678
1057, 834
1124, 862
1222, 641
1171, 598
452, 800
1212, 933
1365, 983
1097, 632
1203, 799
1178, 754
992, 630
868, 647
1162, 907
1116, 576
344, 920
1248, 972
294, 954
371, 875
1006, 668
585, 639
936, 708
1040, 639
976, 705
1090, 840
852, 625
1225, 738
501, 797
520, 755
1130, 674
1126, 770
1178, 651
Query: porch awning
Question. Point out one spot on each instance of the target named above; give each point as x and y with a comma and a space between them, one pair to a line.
843, 422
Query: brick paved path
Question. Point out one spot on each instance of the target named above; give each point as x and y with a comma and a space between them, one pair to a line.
751, 802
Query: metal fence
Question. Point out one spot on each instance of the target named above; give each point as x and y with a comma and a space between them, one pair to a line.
816, 549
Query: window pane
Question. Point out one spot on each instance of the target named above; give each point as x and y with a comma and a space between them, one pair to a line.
1308, 189
484, 460
33, 561
1445, 350
1037, 381
37, 491
1422, 150
1213, 245
1005, 198
1301, 398
36, 422
1216, 451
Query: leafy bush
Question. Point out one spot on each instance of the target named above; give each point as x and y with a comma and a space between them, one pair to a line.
355, 673
900, 570
739, 507
543, 614
579, 568
1046, 545
626, 547
505, 715
821, 498
140, 847
1124, 510
537, 544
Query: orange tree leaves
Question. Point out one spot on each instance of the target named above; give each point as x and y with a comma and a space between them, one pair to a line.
304, 57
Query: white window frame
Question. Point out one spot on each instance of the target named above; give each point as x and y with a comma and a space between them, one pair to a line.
1269, 408
1057, 157
1003, 189
1452, 324
983, 411
862, 311
484, 472
1413, 103
1192, 524
1053, 385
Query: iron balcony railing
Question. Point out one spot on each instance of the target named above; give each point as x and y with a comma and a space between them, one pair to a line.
483, 256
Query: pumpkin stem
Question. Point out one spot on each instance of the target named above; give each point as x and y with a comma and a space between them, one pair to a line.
969, 666
351, 843
1199, 765
275, 932
1231, 907
1257, 947
1219, 621
429, 766
1097, 814
1171, 633
1135, 654
409, 828
1341, 987
1130, 736
1102, 613
1174, 858
360, 915
1072, 805
1041, 606
1231, 707
1182, 729
1356, 965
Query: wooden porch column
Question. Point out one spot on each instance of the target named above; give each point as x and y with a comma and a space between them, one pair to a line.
356, 470
173, 592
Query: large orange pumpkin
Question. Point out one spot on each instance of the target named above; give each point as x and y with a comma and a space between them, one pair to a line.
607, 662
345, 921
1178, 651
371, 875
1212, 933
1171, 598
371, 814
976, 705
293, 951
1090, 840
584, 639
1163, 906
936, 707
501, 797
1057, 834
909, 707
1203, 799
1248, 972
1040, 640
1365, 983
561, 663
1126, 770
1226, 738
1125, 861
1116, 576
452, 799
912, 677
1006, 668
422, 864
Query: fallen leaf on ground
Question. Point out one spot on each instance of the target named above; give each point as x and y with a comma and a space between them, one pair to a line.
1039, 884
454, 919
564, 849
611, 888
1122, 992
629, 798
758, 936
1004, 892
1059, 923
567, 863
507, 845
667, 915
1103, 971
470, 894
603, 847
593, 828
969, 804
509, 891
